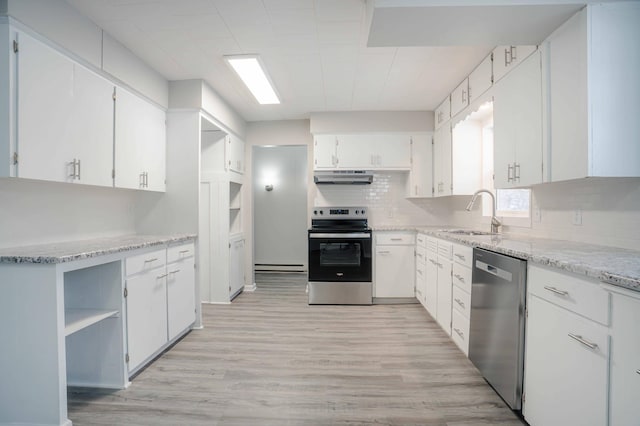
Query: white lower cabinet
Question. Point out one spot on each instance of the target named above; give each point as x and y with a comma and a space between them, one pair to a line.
146, 295
421, 269
625, 360
160, 300
181, 296
566, 355
394, 265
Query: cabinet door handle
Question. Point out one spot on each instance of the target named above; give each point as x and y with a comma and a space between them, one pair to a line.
460, 302
151, 260
637, 371
459, 333
583, 341
507, 57
161, 276
459, 256
174, 272
141, 180
516, 172
459, 277
509, 173
419, 255
556, 291
512, 53
464, 92
419, 271
384, 252
78, 176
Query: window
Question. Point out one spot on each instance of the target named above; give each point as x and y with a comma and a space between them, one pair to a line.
513, 202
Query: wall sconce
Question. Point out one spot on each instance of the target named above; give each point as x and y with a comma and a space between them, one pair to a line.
268, 187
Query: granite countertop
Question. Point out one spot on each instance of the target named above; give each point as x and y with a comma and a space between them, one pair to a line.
84, 249
610, 265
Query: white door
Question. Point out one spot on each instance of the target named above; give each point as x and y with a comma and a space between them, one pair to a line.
235, 154
442, 161
146, 315
393, 152
460, 97
324, 152
180, 296
357, 151
443, 112
236, 266
421, 175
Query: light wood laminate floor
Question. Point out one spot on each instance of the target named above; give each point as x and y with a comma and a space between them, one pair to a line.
271, 359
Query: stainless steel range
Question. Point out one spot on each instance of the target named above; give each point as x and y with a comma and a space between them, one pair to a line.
340, 267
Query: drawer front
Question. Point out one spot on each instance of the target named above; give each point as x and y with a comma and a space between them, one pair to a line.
571, 292
396, 238
432, 244
145, 262
444, 249
421, 255
460, 331
463, 255
461, 301
180, 252
462, 277
421, 276
421, 240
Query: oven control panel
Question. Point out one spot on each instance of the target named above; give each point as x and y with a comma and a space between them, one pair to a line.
340, 212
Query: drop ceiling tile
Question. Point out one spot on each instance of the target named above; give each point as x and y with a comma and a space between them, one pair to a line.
293, 21
339, 10
188, 7
288, 4
331, 33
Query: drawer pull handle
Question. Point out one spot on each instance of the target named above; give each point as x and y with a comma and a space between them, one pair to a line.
384, 252
396, 239
556, 291
460, 302
419, 254
583, 341
162, 276
174, 272
459, 277
419, 271
637, 371
151, 260
459, 256
184, 251
459, 333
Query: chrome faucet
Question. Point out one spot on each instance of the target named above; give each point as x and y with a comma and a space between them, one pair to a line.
495, 223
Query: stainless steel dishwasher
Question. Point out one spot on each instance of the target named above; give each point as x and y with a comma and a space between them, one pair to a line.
496, 336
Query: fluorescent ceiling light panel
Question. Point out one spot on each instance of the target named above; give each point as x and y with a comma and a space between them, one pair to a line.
250, 70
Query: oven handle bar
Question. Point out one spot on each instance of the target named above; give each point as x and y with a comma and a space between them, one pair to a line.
348, 235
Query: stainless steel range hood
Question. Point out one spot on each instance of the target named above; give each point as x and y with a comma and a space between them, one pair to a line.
343, 177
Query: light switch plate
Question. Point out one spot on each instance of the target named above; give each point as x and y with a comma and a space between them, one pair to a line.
577, 217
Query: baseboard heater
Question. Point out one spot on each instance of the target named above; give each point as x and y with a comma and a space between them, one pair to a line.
279, 267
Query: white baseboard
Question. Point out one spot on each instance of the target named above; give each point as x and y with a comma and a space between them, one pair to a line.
251, 287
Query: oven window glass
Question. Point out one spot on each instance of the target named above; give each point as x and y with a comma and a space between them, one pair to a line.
340, 254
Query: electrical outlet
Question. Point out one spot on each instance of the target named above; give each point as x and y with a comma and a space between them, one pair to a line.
577, 217
537, 214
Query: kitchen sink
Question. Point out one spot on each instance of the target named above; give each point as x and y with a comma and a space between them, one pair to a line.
468, 232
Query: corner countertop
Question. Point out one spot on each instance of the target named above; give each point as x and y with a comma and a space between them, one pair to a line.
85, 249
611, 265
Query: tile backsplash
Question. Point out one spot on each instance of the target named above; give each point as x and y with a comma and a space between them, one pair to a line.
386, 200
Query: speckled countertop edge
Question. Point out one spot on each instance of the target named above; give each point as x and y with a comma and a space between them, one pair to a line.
611, 265
84, 249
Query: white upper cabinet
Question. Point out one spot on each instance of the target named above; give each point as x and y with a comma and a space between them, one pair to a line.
442, 161
363, 151
592, 70
481, 79
324, 152
443, 113
421, 175
506, 58
140, 143
466, 158
517, 116
64, 118
460, 97
235, 154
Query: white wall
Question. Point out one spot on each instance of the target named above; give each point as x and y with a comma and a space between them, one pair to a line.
289, 132
33, 212
371, 121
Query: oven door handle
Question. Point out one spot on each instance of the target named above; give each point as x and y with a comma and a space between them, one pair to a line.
347, 235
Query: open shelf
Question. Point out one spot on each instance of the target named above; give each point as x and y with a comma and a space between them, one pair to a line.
78, 319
